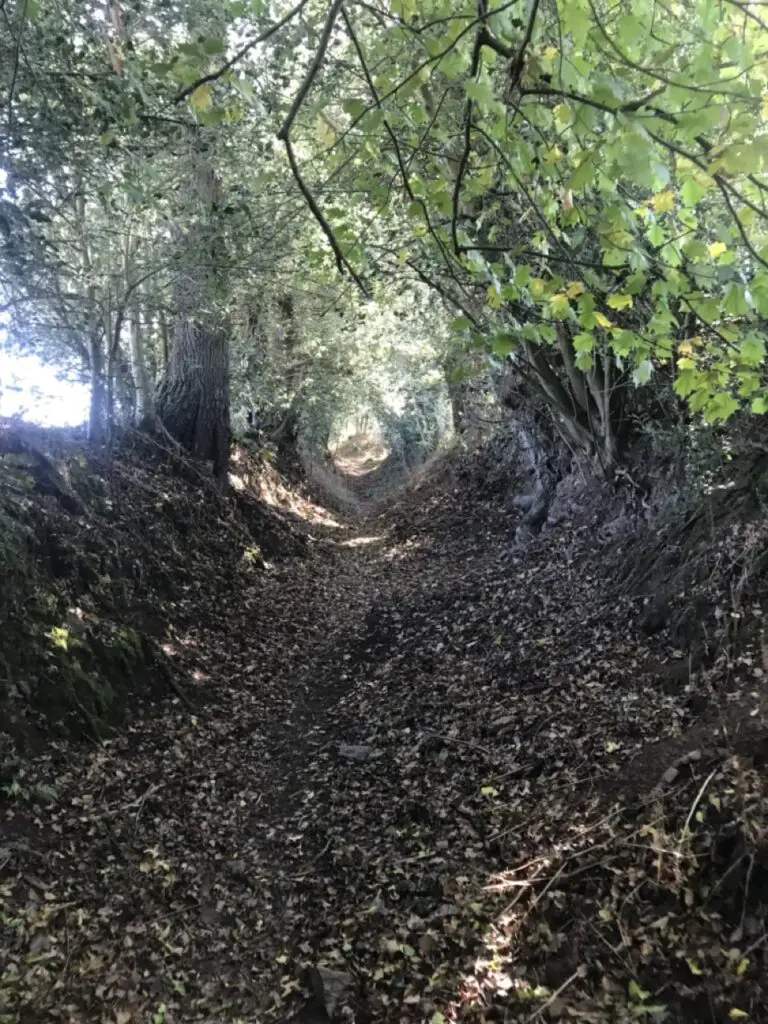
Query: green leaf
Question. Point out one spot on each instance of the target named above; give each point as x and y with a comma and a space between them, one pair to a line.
636, 283
686, 382
201, 98
354, 107
642, 373
623, 342
503, 344
479, 90
691, 192
560, 305
460, 323
721, 408
583, 342
619, 301
213, 46
752, 350
583, 174
735, 300
637, 994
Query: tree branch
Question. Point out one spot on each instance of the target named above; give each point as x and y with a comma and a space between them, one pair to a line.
214, 75
306, 85
476, 50
341, 261
516, 69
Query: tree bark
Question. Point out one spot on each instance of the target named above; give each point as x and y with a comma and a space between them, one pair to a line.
144, 407
98, 406
193, 398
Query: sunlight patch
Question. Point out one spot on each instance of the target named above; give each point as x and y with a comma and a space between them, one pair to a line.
359, 542
40, 393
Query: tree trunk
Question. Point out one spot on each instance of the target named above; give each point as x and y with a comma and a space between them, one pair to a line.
193, 400
98, 407
144, 407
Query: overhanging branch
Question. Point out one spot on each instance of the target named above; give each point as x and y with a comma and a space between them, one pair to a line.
227, 65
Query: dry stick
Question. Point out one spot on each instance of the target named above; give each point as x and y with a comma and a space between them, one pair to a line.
746, 891
214, 75
306, 85
694, 805
578, 973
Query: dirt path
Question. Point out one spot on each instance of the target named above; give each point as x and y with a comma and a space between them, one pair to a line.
402, 767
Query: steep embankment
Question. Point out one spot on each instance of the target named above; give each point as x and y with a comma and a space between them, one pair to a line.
453, 771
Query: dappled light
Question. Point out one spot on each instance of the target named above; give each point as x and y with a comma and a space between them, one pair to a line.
383, 512
359, 454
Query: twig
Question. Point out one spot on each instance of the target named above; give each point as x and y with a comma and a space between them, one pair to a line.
14, 73
152, 789
214, 75
455, 739
284, 135
516, 68
694, 805
580, 972
285, 129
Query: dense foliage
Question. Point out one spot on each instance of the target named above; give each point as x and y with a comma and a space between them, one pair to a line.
581, 188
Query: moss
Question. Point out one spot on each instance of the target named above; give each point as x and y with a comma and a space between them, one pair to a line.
79, 677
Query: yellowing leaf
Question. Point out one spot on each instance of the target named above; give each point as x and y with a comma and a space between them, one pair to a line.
619, 301
559, 304
743, 965
663, 201
717, 249
736, 1014
562, 113
201, 98
602, 320
764, 108
574, 289
694, 967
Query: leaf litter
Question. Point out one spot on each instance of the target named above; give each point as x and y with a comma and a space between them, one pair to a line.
431, 778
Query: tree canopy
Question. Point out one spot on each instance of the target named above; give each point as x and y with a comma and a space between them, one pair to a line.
581, 189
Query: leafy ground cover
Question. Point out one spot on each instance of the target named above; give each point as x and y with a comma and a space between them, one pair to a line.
455, 771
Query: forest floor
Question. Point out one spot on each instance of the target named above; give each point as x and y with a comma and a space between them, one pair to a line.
417, 775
